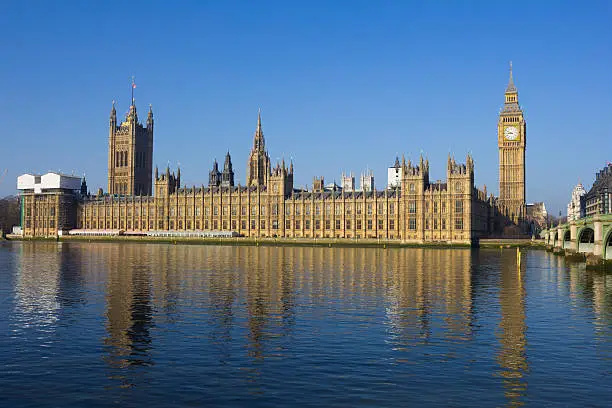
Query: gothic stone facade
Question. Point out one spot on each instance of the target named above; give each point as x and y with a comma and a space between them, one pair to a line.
46, 213
130, 154
418, 212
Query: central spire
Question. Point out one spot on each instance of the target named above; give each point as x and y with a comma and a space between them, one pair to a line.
258, 167
259, 119
259, 142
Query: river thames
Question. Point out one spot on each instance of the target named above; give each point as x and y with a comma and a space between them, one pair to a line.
183, 325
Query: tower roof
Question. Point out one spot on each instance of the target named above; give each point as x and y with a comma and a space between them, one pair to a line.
511, 105
511, 88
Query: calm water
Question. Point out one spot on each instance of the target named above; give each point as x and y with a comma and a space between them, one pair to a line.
158, 325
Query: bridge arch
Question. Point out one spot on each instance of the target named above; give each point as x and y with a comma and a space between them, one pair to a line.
607, 245
567, 238
586, 240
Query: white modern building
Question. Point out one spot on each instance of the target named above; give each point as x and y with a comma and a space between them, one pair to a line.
575, 208
49, 182
394, 175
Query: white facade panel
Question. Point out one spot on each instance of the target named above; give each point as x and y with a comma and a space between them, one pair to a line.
394, 177
25, 182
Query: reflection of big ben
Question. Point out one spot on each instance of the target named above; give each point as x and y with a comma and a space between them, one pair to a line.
512, 357
511, 140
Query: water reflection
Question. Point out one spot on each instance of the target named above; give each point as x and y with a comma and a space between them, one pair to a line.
49, 282
37, 286
593, 289
512, 357
238, 312
428, 294
129, 313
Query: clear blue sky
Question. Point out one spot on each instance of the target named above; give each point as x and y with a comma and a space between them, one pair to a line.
342, 85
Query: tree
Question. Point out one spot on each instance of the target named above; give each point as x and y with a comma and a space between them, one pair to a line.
9, 213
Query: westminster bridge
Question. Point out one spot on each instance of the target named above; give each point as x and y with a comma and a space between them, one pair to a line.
589, 237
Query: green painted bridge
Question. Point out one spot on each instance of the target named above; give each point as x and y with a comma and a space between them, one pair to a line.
591, 236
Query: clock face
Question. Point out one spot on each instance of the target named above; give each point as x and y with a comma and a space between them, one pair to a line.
511, 133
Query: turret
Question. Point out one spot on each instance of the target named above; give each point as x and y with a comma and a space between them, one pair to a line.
150, 118
227, 177
166, 184
214, 175
415, 178
83, 186
281, 180
113, 117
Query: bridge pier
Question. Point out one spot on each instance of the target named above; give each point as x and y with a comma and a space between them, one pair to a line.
595, 259
573, 237
548, 240
558, 242
571, 251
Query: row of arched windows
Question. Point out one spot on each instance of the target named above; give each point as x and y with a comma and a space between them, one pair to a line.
121, 159
121, 188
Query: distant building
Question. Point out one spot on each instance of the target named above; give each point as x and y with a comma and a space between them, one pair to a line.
333, 187
366, 181
537, 213
599, 198
348, 182
575, 210
394, 175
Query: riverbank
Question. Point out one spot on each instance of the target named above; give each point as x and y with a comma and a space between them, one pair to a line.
304, 242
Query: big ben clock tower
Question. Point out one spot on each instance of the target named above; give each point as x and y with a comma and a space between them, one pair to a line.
511, 141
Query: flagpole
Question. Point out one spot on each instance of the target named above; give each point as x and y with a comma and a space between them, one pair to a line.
133, 89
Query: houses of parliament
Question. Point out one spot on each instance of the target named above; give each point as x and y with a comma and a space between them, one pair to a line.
141, 200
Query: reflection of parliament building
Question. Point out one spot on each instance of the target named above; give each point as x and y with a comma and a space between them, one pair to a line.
142, 201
